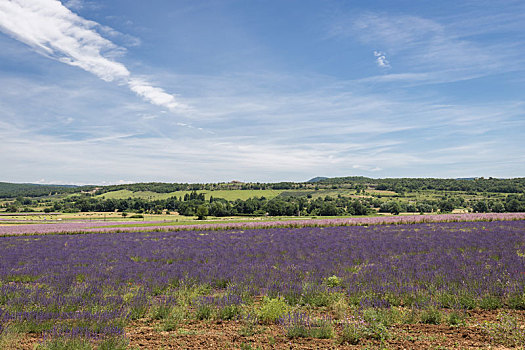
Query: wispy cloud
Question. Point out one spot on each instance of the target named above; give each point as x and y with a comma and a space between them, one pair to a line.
54, 31
436, 49
381, 60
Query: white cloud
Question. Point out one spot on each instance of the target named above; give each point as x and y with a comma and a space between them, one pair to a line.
441, 49
154, 95
52, 30
381, 59
74, 4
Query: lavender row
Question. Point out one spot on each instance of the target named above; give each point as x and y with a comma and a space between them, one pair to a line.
478, 257
98, 282
100, 226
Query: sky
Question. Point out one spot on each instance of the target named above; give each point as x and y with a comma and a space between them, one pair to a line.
119, 91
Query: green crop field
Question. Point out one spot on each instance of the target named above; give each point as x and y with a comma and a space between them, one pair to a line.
229, 195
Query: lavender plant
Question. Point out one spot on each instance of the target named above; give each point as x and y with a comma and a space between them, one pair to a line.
101, 281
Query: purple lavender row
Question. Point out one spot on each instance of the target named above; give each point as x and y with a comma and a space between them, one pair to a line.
404, 219
102, 280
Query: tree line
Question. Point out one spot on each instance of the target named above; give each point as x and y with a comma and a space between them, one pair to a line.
190, 203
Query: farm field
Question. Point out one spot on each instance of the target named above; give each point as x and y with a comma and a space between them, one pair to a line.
229, 195
102, 222
421, 285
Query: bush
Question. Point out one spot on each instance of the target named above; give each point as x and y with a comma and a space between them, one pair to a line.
203, 312
507, 331
490, 302
333, 281
298, 325
431, 316
272, 309
456, 318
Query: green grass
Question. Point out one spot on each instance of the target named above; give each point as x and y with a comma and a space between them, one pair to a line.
229, 195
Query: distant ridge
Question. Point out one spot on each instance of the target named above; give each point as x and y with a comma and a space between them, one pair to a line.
11, 190
317, 179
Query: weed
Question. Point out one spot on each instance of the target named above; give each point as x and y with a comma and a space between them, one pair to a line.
228, 312
161, 311
431, 315
66, 344
490, 302
456, 318
272, 309
203, 312
516, 301
332, 281
339, 307
323, 329
298, 325
353, 331
9, 338
113, 343
507, 331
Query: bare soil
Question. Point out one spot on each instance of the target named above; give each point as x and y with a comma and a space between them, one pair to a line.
146, 334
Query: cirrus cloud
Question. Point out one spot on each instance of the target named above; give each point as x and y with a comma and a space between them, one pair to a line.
54, 31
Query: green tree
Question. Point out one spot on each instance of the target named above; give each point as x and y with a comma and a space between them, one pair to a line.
202, 212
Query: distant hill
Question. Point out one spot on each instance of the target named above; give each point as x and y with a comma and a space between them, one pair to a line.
12, 190
317, 179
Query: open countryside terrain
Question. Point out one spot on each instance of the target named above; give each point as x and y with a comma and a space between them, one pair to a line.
443, 284
155, 270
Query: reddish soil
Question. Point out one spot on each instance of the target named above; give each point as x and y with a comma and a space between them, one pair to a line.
145, 334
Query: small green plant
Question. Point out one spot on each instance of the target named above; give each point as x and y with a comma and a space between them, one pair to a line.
9, 338
353, 331
168, 325
339, 307
228, 312
516, 301
456, 318
507, 331
297, 331
113, 343
410, 316
322, 329
490, 302
271, 309
66, 344
297, 325
431, 316
467, 301
161, 311
249, 327
248, 346
271, 340
203, 312
333, 281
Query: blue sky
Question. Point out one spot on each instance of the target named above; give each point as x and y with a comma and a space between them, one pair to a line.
99, 92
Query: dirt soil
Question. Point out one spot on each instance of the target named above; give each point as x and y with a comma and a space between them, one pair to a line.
145, 334
233, 335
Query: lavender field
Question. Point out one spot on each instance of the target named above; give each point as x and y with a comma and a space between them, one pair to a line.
94, 285
83, 226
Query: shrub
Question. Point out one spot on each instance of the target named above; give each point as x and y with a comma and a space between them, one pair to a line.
353, 331
272, 309
299, 325
203, 312
333, 281
490, 302
322, 329
431, 316
228, 312
456, 318
161, 311
516, 301
507, 331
